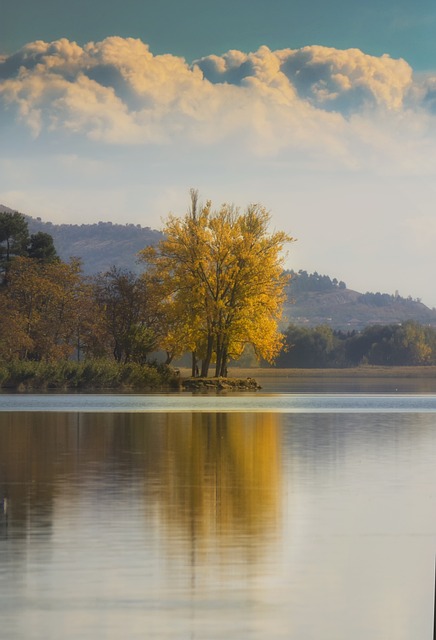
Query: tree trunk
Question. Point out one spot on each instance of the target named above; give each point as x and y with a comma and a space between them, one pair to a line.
194, 369
224, 357
219, 357
205, 363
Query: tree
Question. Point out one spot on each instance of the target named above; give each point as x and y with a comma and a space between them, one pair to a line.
14, 338
14, 238
308, 347
43, 301
41, 247
223, 271
128, 321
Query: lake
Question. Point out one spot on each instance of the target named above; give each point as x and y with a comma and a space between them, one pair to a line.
261, 515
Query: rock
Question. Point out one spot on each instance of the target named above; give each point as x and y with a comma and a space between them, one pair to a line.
220, 384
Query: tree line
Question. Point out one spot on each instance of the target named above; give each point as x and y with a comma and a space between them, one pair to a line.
303, 282
406, 344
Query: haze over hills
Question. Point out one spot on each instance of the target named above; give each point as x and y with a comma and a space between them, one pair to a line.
313, 299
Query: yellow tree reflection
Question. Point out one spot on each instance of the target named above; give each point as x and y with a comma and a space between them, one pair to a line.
223, 484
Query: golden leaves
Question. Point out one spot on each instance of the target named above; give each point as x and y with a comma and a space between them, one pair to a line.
224, 273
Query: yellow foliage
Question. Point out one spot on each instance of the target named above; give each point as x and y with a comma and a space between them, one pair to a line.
221, 274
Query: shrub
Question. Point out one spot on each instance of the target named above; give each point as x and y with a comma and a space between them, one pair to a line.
90, 374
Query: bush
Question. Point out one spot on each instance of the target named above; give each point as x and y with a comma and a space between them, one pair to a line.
90, 374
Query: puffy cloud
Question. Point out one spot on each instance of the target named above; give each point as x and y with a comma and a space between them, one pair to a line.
348, 80
312, 101
328, 78
115, 91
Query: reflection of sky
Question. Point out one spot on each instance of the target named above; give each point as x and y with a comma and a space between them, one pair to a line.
368, 524
350, 554
271, 403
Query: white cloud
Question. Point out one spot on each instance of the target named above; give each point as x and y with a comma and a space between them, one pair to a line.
328, 78
313, 101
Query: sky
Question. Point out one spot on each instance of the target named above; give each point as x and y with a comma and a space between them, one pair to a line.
325, 113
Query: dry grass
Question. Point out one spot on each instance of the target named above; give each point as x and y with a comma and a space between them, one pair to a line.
354, 372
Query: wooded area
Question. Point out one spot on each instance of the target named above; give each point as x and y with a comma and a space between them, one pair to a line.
406, 344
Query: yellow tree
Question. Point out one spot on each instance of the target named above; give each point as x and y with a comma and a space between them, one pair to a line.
14, 338
44, 299
223, 271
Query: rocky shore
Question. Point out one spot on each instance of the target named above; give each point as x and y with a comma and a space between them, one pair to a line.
220, 384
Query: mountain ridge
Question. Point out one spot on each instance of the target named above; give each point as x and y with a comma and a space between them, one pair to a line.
347, 310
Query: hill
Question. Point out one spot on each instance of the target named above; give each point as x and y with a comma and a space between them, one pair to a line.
99, 245
315, 299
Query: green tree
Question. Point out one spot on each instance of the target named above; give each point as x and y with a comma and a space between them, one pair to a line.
128, 320
41, 247
308, 347
14, 238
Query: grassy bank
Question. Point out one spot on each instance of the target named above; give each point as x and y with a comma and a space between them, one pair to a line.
367, 371
88, 375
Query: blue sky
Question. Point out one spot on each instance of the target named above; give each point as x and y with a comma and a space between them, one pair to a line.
195, 28
323, 112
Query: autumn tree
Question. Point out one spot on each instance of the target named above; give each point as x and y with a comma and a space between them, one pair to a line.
14, 337
42, 302
223, 271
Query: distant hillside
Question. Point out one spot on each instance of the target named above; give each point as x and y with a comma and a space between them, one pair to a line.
99, 245
314, 299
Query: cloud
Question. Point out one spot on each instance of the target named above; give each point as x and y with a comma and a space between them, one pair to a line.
327, 78
314, 103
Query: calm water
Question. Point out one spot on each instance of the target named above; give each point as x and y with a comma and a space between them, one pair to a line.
177, 517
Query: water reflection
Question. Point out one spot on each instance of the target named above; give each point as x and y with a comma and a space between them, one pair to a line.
211, 476
222, 481
211, 525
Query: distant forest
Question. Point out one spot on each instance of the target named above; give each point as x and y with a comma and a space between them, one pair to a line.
302, 282
406, 344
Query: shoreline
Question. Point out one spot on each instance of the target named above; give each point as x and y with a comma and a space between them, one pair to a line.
367, 371
240, 379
